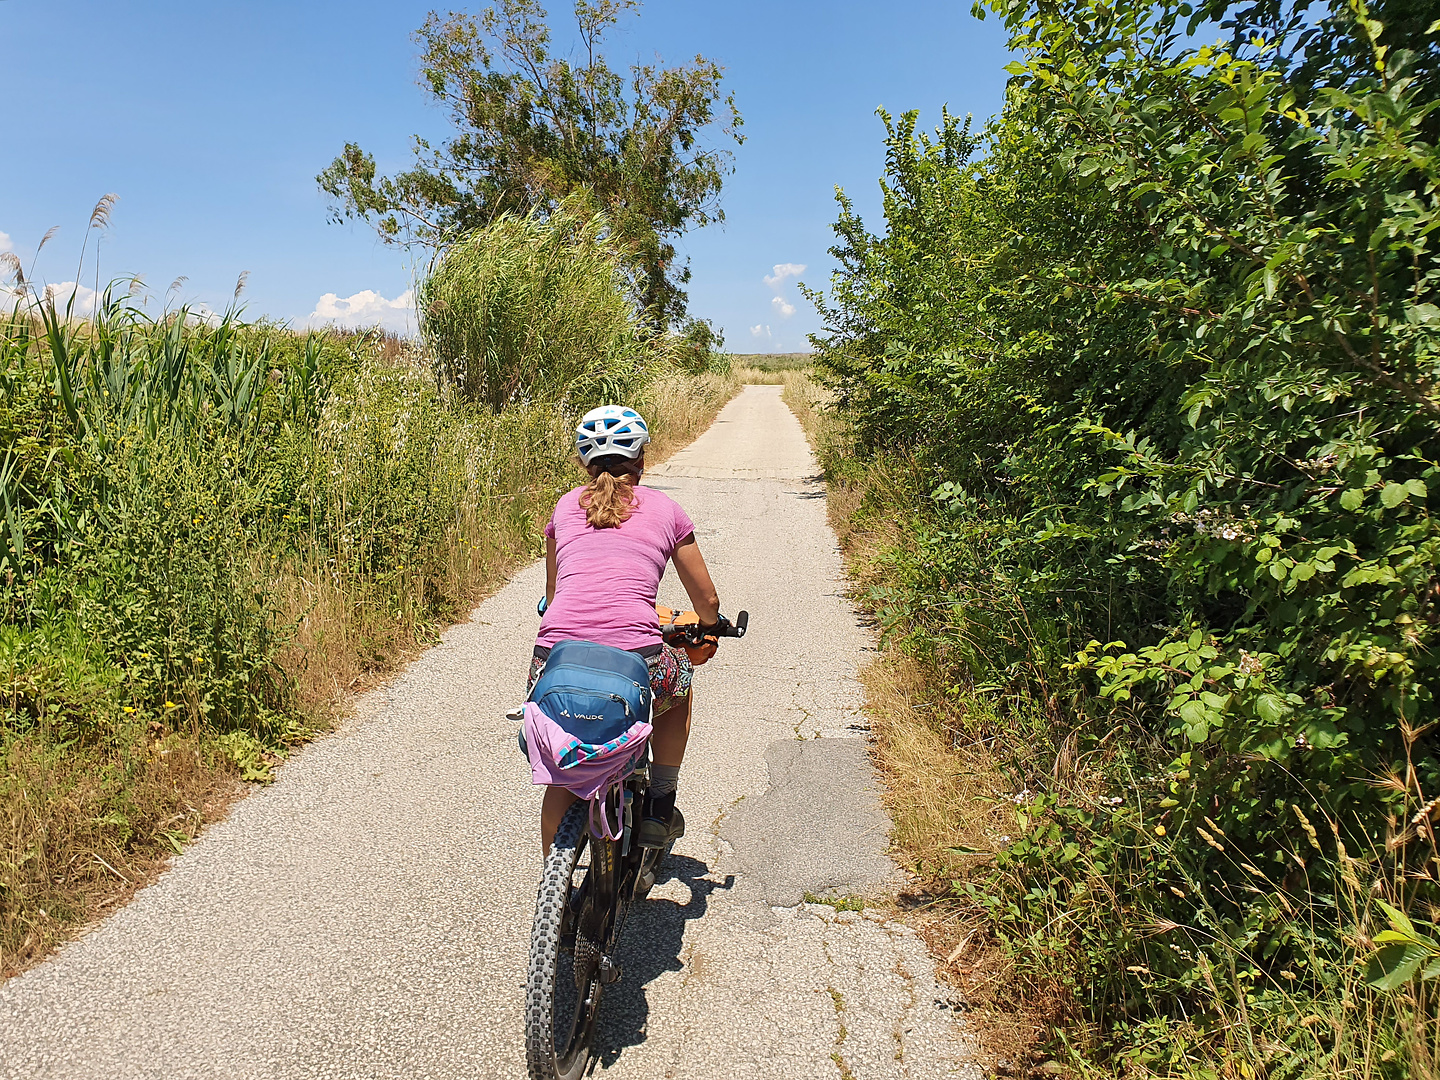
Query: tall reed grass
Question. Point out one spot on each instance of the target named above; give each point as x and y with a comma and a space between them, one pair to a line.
209, 535
530, 309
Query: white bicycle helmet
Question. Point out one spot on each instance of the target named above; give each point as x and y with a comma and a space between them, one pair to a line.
611, 429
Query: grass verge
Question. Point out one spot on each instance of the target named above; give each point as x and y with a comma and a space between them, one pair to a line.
944, 784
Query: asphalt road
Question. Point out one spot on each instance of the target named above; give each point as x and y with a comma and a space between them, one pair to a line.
367, 915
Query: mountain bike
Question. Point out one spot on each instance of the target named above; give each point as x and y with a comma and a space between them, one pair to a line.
586, 891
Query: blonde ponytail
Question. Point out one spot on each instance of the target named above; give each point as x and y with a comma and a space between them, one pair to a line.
608, 499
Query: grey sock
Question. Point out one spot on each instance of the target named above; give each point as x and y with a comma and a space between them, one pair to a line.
663, 779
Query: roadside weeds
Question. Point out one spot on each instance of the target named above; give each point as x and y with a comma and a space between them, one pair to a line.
943, 791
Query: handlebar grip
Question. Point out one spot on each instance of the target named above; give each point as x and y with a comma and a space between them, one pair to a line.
728, 629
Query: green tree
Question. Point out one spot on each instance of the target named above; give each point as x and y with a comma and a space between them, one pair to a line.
534, 128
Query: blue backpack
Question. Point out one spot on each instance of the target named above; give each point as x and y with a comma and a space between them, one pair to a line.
595, 692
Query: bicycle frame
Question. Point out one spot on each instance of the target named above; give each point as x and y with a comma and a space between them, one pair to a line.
620, 873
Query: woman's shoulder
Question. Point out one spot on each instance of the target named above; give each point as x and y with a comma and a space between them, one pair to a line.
657, 503
654, 497
568, 505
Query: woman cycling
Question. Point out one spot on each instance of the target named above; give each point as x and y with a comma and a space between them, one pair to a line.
606, 547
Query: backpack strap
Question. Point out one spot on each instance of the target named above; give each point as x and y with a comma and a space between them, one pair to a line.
597, 809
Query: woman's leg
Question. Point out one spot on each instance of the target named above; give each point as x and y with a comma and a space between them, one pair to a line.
557, 801
671, 733
663, 822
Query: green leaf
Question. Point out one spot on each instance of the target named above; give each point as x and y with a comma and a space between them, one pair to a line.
1325, 735
1351, 498
1272, 708
1398, 920
1395, 965
1194, 712
1393, 495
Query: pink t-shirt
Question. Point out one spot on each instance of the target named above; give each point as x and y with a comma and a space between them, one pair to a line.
608, 579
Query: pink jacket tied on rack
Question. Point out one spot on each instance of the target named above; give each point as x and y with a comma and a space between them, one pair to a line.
586, 770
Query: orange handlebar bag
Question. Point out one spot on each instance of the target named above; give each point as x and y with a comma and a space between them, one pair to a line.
675, 628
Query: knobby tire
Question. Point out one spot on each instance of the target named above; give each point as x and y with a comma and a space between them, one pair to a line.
559, 1027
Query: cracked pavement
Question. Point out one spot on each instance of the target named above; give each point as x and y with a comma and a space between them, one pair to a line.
368, 914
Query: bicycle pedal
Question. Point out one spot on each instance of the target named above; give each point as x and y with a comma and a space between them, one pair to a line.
609, 970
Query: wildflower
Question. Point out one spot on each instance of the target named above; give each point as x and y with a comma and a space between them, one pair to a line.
171, 705
127, 709
1159, 830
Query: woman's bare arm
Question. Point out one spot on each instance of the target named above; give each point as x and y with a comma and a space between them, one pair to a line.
695, 576
550, 570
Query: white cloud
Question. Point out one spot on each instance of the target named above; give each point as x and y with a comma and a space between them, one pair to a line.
6, 244
60, 293
785, 310
783, 271
366, 308
761, 331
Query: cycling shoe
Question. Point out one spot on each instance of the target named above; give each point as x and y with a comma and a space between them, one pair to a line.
656, 832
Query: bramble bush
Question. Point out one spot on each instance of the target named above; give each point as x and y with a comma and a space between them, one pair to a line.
1155, 356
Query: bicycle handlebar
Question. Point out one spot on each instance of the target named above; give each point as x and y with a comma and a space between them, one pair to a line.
692, 631
695, 634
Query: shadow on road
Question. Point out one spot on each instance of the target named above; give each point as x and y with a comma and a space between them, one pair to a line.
653, 938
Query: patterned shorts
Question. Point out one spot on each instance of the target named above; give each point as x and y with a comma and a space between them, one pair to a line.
670, 676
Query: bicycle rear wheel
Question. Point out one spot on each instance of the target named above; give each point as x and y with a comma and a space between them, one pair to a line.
561, 1002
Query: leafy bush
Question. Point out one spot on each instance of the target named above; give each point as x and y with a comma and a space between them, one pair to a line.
530, 309
1157, 355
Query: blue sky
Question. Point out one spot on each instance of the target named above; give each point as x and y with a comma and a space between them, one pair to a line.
210, 121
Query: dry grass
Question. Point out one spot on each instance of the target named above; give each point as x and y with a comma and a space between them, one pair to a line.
59, 805
942, 796
946, 800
